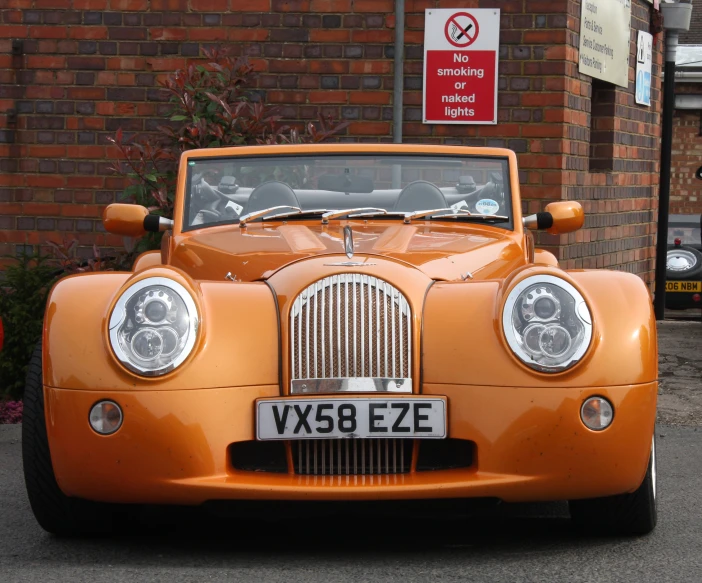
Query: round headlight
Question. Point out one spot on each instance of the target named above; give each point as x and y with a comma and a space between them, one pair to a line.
153, 326
547, 323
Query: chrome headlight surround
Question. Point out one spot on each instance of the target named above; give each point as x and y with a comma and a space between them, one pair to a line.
125, 327
527, 331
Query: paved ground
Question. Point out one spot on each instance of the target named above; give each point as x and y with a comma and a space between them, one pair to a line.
680, 371
517, 543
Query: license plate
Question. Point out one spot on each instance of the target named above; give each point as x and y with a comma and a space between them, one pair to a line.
683, 286
350, 418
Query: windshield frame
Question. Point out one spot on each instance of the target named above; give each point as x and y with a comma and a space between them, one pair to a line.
503, 157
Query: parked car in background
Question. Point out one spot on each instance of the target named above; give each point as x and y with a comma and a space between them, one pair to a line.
344, 322
684, 263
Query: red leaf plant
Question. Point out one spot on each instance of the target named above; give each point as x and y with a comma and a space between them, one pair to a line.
212, 107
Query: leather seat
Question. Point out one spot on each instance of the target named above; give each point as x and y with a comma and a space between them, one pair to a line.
269, 194
418, 196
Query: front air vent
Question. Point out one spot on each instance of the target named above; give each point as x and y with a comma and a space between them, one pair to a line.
352, 457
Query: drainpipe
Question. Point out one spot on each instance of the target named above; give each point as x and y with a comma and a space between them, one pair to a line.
398, 85
676, 19
399, 71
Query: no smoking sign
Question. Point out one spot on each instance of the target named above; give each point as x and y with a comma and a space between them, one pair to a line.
460, 66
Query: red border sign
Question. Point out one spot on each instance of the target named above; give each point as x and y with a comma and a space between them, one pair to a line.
462, 32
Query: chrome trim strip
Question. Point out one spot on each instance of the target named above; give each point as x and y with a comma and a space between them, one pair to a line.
351, 385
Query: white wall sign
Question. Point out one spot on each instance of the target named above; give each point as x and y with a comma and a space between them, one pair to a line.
605, 29
460, 65
644, 59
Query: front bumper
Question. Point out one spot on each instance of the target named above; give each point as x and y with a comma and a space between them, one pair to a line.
530, 445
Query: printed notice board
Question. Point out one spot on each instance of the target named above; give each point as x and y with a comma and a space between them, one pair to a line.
605, 31
644, 62
461, 47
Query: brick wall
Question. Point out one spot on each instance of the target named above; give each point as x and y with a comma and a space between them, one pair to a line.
90, 66
685, 189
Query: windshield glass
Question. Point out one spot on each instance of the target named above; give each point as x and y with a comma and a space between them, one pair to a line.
221, 190
684, 227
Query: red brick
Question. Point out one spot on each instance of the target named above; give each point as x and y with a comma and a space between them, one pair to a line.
165, 64
210, 5
373, 5
330, 36
88, 32
343, 6
13, 31
329, 67
372, 36
371, 67
369, 128
132, 5
168, 34
327, 96
207, 34
369, 97
47, 32
248, 34
250, 6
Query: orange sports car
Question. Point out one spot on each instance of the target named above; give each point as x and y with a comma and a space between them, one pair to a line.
344, 322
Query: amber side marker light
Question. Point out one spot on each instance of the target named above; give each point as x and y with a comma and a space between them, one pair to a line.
597, 413
106, 417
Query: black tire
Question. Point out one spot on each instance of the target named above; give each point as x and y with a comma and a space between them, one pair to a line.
625, 514
55, 512
694, 273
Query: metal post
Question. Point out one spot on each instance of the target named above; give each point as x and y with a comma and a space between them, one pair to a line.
398, 85
671, 49
399, 71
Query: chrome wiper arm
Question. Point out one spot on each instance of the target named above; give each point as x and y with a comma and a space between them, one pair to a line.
421, 214
467, 215
378, 214
298, 213
343, 213
258, 214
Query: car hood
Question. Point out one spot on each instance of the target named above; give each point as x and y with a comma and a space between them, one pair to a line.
443, 252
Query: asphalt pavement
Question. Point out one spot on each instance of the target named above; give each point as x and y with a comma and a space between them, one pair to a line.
510, 543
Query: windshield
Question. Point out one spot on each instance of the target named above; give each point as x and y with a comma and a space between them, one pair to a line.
684, 227
221, 190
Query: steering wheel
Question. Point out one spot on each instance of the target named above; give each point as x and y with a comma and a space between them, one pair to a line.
212, 203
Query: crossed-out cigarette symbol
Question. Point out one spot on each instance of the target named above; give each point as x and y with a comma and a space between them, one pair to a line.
461, 29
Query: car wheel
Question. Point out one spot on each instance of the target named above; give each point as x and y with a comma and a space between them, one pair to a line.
683, 263
55, 512
625, 514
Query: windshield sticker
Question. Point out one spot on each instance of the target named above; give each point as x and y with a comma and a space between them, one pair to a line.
459, 205
237, 208
487, 206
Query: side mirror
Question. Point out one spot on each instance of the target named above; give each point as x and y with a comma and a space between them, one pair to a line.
132, 220
560, 217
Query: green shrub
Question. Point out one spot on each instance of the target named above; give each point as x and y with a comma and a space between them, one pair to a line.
23, 294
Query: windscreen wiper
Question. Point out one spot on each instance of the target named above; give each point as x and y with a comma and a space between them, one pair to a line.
263, 212
297, 214
471, 217
365, 211
451, 213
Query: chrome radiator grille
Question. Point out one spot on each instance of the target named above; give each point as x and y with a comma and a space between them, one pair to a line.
352, 457
351, 326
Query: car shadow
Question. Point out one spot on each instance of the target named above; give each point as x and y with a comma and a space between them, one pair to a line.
333, 534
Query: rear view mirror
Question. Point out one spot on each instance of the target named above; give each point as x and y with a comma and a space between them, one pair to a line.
132, 220
560, 217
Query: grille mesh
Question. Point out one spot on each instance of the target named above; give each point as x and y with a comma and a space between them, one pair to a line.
350, 325
352, 457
